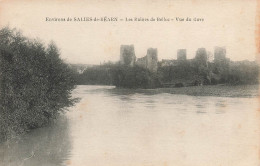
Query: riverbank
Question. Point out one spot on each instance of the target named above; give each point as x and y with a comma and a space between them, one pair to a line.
247, 91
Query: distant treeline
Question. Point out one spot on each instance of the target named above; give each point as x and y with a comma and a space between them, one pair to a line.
35, 84
185, 73
193, 73
96, 75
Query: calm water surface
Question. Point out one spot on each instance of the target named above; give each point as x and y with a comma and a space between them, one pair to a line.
111, 127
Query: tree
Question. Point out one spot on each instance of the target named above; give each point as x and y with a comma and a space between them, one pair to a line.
35, 84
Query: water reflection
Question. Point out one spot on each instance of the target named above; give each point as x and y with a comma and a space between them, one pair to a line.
47, 146
221, 106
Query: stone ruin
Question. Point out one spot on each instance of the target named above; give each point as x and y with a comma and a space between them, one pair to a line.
202, 56
219, 54
181, 55
150, 61
127, 55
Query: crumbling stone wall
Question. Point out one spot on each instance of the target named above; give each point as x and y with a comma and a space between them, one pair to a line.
142, 62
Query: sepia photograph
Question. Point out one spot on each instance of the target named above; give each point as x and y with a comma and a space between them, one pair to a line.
129, 83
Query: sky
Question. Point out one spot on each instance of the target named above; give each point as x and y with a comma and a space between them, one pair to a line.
226, 23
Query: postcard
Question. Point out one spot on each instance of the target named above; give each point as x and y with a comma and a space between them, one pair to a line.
129, 83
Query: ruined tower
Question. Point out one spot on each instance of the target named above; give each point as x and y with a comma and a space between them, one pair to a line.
219, 54
152, 59
202, 56
127, 55
181, 55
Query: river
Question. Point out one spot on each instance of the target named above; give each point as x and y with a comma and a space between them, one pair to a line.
109, 127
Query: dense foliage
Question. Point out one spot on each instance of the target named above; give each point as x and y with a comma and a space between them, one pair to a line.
243, 73
184, 73
192, 73
134, 77
119, 75
97, 75
35, 84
